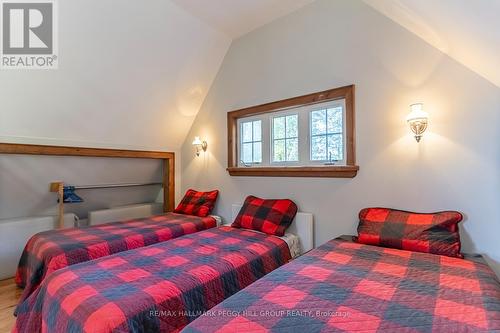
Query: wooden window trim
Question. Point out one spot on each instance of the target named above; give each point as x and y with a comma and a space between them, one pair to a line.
167, 157
339, 171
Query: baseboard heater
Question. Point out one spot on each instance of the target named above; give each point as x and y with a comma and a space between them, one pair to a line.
14, 233
124, 213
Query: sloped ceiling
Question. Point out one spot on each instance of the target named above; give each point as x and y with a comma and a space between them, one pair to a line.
131, 75
238, 17
466, 30
137, 75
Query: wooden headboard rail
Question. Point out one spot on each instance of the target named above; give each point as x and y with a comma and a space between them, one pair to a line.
167, 157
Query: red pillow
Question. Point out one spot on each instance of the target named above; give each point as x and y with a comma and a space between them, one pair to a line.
430, 233
272, 217
197, 203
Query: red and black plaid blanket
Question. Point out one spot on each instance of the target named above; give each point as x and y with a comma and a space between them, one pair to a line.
159, 288
348, 287
51, 250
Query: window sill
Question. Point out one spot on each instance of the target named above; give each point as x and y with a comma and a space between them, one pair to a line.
349, 171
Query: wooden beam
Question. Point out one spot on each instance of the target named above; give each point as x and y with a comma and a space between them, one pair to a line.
14, 148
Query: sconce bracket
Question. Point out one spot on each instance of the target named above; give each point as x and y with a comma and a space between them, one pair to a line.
201, 147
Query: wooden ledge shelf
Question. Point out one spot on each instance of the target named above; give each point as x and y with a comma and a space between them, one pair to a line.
349, 171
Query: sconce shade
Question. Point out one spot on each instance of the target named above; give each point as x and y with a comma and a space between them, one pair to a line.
200, 145
417, 112
69, 195
197, 141
417, 119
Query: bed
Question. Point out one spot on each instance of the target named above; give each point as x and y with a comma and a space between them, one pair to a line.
161, 287
52, 250
345, 286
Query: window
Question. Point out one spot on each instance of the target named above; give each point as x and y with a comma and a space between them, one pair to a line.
285, 134
311, 135
327, 135
251, 142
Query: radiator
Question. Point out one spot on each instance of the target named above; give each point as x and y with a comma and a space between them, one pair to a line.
14, 233
124, 213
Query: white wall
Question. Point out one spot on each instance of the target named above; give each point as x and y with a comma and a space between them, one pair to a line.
334, 43
132, 74
24, 183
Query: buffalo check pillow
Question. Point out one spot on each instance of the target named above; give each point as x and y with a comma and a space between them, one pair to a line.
271, 216
420, 232
197, 203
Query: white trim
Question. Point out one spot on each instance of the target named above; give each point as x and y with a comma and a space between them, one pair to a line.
328, 105
271, 143
240, 140
304, 134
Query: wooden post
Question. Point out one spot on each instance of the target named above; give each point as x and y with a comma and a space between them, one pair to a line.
169, 184
59, 188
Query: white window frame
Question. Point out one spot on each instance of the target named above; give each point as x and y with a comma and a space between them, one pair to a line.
304, 135
272, 116
240, 140
328, 105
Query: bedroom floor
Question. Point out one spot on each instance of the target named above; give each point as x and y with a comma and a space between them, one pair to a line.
9, 294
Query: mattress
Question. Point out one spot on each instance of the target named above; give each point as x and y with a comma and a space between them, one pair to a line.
345, 286
293, 242
291, 239
159, 288
52, 250
218, 219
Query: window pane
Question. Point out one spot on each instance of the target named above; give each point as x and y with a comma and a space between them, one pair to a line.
318, 122
292, 150
257, 131
292, 126
318, 148
334, 120
246, 153
335, 147
257, 152
279, 151
246, 131
279, 127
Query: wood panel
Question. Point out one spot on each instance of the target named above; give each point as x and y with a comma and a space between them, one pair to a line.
320, 171
9, 296
14, 148
348, 171
167, 157
169, 183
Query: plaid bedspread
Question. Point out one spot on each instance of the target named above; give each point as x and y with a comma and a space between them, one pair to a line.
348, 287
51, 250
159, 288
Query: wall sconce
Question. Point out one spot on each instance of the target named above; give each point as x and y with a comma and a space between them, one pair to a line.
200, 145
417, 119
